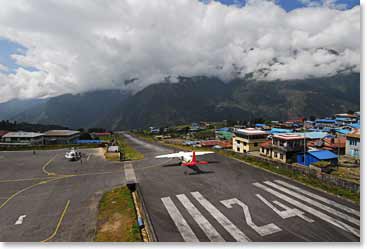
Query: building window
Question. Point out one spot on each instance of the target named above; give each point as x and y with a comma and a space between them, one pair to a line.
238, 149
275, 154
281, 156
255, 144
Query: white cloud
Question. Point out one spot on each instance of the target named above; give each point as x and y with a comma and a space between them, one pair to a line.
3, 68
85, 45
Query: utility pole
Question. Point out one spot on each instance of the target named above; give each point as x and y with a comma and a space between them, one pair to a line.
304, 144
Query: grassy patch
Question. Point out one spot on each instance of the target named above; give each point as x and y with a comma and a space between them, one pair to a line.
130, 152
116, 221
298, 176
348, 173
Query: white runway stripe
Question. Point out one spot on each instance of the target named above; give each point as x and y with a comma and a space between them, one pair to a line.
310, 210
315, 203
237, 234
204, 224
320, 198
287, 212
180, 222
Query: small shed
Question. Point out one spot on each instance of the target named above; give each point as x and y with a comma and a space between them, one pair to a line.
311, 157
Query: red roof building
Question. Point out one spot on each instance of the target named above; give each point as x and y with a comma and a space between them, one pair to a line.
2, 133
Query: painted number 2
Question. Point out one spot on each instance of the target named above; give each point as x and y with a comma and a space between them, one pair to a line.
262, 230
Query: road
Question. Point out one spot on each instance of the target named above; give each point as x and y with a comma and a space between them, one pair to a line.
233, 201
44, 197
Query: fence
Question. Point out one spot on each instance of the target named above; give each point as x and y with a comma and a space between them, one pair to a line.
324, 177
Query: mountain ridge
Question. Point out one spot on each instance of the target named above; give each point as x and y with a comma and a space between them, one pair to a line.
200, 98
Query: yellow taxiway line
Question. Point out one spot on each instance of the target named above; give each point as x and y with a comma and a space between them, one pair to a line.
29, 187
45, 166
27, 179
58, 223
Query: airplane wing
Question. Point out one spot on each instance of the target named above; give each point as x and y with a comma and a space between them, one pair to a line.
200, 153
173, 155
180, 154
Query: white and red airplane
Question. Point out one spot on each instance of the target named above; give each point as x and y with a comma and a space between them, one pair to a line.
188, 159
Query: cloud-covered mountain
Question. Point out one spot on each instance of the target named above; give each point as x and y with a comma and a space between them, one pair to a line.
87, 45
201, 98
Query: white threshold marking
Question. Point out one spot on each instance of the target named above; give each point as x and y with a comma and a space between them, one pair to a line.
310, 210
204, 224
185, 230
287, 212
129, 173
237, 234
89, 157
315, 203
320, 198
20, 220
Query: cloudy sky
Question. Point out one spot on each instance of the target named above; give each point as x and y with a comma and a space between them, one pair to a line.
52, 47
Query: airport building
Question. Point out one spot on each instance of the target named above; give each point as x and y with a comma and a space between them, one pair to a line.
247, 140
61, 137
23, 138
284, 147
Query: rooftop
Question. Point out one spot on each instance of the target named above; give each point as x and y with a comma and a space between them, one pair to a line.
2, 133
251, 131
313, 135
288, 136
60, 133
355, 133
23, 134
323, 154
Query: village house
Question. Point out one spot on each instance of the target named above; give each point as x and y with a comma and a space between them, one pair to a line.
247, 140
283, 147
353, 143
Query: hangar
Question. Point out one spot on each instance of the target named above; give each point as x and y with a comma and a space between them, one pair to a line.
61, 137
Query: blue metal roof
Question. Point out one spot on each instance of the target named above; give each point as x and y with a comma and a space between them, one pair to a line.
343, 119
260, 125
313, 135
224, 129
90, 141
279, 130
355, 125
323, 154
343, 131
325, 121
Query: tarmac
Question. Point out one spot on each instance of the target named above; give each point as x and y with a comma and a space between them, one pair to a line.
44, 197
232, 201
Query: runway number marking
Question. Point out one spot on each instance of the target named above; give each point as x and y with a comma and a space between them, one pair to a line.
289, 193
320, 198
236, 233
314, 203
287, 212
262, 230
310, 210
20, 220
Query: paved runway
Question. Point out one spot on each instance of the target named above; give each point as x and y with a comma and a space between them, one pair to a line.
45, 197
237, 202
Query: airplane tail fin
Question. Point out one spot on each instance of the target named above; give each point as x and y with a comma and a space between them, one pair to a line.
194, 162
193, 157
